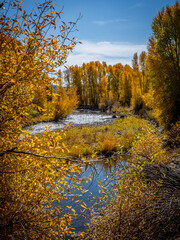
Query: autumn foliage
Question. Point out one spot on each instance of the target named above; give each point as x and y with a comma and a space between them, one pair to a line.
146, 199
29, 58
146, 202
103, 86
164, 64
35, 172
152, 83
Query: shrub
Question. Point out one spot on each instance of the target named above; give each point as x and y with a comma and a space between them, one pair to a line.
174, 135
146, 199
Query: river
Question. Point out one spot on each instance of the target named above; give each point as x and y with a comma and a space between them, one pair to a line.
77, 118
102, 171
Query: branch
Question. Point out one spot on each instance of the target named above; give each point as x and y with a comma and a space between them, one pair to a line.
8, 151
65, 158
38, 155
142, 155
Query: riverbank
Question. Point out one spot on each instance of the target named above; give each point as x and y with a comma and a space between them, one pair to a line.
36, 116
146, 203
103, 138
144, 182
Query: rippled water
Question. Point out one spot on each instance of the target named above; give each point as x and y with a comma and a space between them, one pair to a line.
103, 171
78, 117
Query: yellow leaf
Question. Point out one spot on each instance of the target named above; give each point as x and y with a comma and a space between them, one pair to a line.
73, 210
83, 206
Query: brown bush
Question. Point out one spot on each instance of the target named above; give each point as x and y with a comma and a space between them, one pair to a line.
174, 135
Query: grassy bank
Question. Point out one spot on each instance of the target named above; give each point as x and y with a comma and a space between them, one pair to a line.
146, 202
147, 195
103, 140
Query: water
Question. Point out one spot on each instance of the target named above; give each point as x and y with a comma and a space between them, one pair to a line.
104, 173
78, 117
101, 172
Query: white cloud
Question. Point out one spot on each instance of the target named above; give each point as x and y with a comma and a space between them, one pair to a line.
110, 52
105, 22
137, 5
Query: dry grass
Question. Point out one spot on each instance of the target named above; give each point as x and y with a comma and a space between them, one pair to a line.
86, 140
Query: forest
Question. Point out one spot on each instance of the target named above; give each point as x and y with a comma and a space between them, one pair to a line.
38, 172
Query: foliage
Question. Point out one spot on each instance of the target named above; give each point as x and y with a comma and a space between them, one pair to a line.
126, 94
105, 86
64, 102
146, 199
28, 56
164, 65
31, 179
151, 83
30, 185
174, 135
145, 205
36, 174
105, 139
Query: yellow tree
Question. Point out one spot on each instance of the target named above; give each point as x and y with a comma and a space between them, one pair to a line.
164, 64
142, 66
136, 100
64, 101
115, 79
76, 78
92, 76
31, 179
103, 94
126, 93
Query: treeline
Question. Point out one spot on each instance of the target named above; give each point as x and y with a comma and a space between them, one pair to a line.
105, 86
153, 81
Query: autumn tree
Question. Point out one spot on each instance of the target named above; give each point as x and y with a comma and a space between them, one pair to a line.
100, 85
92, 76
31, 178
136, 99
86, 78
115, 79
126, 92
64, 101
142, 66
76, 78
163, 57
103, 94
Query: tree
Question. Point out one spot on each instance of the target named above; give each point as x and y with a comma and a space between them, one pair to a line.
31, 178
103, 94
126, 89
136, 99
64, 101
163, 58
142, 65
76, 75
115, 79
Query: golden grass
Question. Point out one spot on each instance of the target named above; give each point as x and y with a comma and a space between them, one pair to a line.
85, 140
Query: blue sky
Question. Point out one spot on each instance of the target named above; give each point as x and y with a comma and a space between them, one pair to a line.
111, 30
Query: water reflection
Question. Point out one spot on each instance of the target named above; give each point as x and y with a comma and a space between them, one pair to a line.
103, 172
